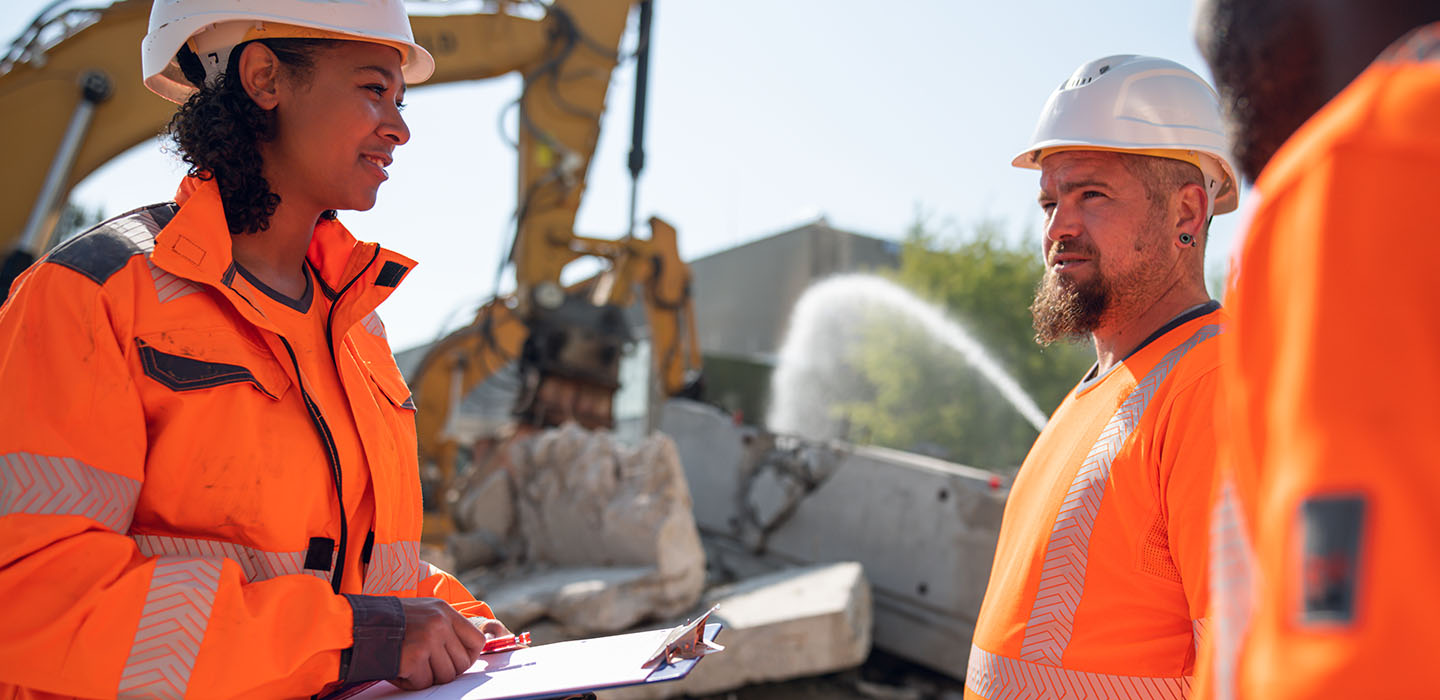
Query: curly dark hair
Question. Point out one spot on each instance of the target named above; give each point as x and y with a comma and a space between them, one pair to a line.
218, 131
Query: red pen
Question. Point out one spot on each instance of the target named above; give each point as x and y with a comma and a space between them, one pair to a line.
509, 642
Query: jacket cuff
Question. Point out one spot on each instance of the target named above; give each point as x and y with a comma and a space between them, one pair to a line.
379, 631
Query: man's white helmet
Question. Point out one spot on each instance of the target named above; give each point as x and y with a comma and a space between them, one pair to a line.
214, 27
1144, 105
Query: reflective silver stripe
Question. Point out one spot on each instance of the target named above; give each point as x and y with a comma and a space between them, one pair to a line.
1062, 576
999, 677
172, 626
394, 567
372, 324
1198, 631
258, 564
1232, 586
169, 287
40, 485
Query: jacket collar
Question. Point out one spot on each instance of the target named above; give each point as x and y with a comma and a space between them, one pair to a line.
196, 245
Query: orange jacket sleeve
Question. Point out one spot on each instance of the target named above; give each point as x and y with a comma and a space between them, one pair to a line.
446, 587
87, 614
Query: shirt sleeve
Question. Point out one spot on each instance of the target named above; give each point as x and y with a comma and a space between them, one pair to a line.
1188, 458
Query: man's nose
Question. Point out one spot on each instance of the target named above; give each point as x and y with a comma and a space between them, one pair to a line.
1064, 222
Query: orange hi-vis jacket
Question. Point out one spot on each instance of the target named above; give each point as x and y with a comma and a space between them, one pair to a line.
1098, 588
1327, 522
170, 518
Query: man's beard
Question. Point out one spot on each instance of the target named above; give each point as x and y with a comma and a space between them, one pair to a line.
1067, 309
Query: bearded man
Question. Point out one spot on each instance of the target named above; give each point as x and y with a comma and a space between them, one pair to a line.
1098, 589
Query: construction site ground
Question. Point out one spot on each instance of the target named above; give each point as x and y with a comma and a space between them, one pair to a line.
881, 677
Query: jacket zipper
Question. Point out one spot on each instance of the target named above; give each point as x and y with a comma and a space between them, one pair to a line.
333, 455
323, 428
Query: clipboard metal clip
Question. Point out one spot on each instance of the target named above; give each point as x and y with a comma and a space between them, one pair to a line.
686, 642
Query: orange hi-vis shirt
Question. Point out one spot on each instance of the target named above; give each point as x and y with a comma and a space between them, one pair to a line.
1098, 589
170, 457
303, 321
1327, 523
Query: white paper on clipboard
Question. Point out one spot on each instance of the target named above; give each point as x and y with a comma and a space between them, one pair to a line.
552, 669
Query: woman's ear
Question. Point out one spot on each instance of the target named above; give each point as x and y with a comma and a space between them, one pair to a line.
260, 74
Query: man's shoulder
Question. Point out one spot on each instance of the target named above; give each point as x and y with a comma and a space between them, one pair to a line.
1390, 108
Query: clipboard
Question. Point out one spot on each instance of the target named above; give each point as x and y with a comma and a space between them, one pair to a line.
566, 668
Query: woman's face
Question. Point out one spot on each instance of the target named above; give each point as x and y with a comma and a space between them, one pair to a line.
335, 132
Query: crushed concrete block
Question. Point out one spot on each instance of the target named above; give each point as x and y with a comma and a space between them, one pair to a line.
712, 451
583, 601
471, 549
788, 624
488, 506
771, 496
578, 527
585, 500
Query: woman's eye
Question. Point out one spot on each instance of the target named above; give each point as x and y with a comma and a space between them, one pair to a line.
400, 105
377, 89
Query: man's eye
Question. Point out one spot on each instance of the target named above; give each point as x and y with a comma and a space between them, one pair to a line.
1092, 194
1047, 206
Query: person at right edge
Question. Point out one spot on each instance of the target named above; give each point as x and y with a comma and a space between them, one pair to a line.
1325, 550
1098, 589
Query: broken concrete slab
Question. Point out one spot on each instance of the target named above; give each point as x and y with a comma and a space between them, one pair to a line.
787, 624
583, 601
924, 529
579, 527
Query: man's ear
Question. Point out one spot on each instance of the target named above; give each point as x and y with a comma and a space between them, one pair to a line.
1188, 210
260, 74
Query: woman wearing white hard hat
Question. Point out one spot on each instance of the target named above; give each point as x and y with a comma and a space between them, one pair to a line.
211, 488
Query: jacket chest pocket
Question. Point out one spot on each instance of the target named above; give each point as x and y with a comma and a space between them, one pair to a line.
231, 447
187, 360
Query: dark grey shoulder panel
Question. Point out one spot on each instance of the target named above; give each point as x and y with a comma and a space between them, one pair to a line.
104, 249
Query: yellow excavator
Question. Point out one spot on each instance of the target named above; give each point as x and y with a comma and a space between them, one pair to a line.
567, 340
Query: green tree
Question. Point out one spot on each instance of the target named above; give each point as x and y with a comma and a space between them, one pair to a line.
923, 396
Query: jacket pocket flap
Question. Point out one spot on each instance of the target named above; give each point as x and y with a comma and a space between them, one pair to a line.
190, 360
387, 376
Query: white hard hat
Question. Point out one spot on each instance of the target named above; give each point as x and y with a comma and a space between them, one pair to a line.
217, 26
1139, 104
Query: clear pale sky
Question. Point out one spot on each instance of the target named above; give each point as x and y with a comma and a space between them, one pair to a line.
763, 115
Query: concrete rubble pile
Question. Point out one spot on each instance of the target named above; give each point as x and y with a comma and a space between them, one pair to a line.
571, 534
924, 529
577, 528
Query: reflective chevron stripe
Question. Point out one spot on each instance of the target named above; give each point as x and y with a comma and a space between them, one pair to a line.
1232, 586
999, 677
40, 485
172, 626
394, 567
1062, 576
258, 564
372, 324
168, 287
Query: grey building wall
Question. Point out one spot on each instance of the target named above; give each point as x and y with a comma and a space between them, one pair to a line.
743, 296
